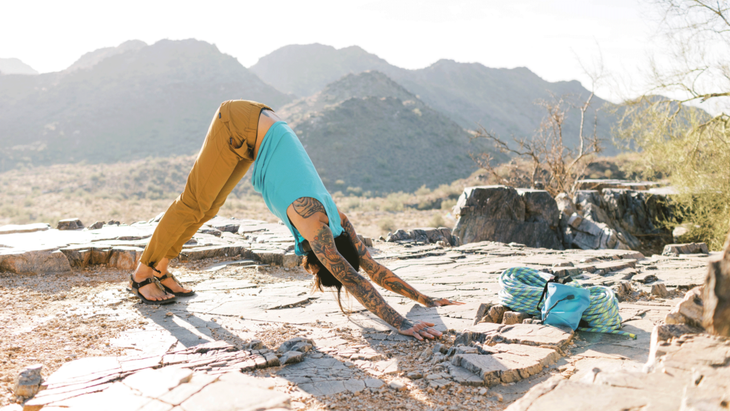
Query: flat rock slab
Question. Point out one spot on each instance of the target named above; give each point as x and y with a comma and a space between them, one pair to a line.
167, 390
38, 249
326, 376
141, 381
528, 334
507, 363
578, 396
691, 372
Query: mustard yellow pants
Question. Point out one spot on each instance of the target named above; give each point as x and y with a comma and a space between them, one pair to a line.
226, 155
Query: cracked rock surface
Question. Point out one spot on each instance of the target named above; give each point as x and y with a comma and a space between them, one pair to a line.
253, 324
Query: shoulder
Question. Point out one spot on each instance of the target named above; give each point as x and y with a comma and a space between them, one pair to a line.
343, 217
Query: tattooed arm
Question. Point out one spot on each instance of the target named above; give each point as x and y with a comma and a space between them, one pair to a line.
310, 218
383, 276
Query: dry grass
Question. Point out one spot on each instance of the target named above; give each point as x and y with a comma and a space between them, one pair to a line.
138, 191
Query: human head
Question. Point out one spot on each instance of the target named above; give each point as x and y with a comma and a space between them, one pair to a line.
322, 276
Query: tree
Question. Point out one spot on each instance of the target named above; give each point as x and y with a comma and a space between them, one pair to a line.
553, 166
677, 138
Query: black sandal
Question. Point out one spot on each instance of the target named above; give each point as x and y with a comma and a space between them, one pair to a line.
169, 290
152, 280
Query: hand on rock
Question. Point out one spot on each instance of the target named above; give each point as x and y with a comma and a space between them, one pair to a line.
442, 302
432, 302
421, 329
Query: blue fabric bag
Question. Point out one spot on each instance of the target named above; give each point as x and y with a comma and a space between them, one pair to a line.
564, 304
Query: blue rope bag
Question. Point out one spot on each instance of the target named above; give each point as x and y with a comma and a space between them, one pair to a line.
522, 289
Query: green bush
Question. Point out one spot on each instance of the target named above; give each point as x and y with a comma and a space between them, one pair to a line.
694, 150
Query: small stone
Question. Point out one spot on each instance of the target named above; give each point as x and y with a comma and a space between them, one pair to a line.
28, 381
659, 290
513, 317
373, 383
170, 314
272, 360
575, 220
495, 314
291, 357
414, 375
500, 398
689, 310
397, 385
97, 225
482, 391
296, 344
437, 358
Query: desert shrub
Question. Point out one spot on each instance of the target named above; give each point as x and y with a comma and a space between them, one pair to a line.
437, 221
349, 203
387, 225
448, 204
394, 201
356, 191
423, 191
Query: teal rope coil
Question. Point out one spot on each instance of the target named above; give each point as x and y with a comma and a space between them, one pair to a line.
521, 288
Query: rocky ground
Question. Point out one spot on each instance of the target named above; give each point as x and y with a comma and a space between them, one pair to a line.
345, 362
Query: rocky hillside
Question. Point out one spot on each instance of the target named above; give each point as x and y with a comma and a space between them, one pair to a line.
306, 69
15, 66
501, 100
367, 131
132, 102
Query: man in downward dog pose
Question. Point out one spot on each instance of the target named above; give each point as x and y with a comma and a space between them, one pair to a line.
243, 133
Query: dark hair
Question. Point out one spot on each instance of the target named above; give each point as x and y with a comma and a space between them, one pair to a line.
324, 277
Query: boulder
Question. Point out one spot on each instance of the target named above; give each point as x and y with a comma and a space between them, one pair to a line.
70, 224
716, 294
690, 248
50, 261
628, 219
491, 202
499, 213
124, 258
78, 256
540, 206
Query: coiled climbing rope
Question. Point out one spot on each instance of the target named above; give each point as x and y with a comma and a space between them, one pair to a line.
522, 287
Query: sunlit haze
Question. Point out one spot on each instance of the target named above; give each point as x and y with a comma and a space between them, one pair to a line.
551, 38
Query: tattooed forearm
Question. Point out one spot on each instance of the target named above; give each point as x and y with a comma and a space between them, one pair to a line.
324, 247
307, 207
380, 274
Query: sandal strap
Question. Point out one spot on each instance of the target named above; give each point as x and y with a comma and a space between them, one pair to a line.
170, 275
151, 280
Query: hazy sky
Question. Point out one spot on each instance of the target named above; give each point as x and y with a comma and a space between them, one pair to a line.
548, 37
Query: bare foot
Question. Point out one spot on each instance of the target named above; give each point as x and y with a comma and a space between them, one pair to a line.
150, 291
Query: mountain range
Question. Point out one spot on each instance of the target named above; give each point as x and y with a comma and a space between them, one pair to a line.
15, 66
364, 122
504, 101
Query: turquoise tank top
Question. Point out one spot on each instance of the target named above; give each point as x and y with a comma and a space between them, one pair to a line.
283, 173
